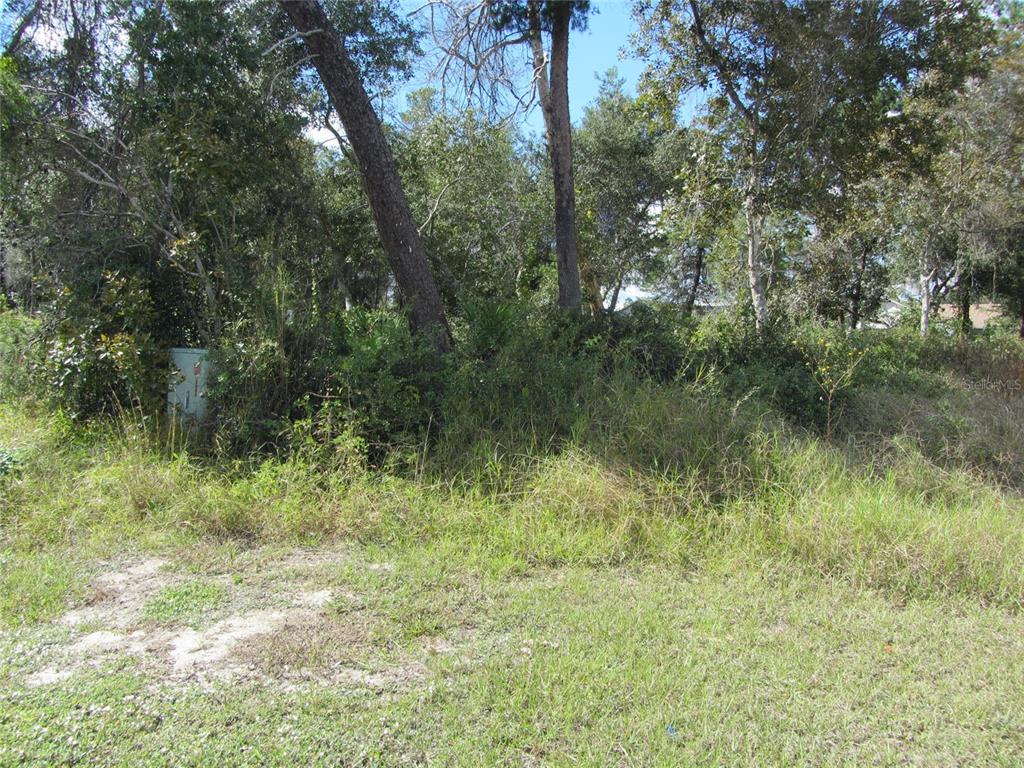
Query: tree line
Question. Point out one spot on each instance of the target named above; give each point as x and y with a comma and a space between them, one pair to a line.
161, 183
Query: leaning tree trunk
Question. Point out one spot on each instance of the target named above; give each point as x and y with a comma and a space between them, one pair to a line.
554, 99
399, 236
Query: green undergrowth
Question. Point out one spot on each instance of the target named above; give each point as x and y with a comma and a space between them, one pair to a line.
666, 474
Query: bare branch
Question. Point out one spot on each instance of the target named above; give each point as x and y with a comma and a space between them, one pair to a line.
437, 204
476, 57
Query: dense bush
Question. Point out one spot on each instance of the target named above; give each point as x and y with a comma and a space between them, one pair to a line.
518, 373
741, 363
359, 372
521, 375
101, 352
652, 337
388, 383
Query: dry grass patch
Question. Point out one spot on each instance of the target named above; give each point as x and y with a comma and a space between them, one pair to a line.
311, 642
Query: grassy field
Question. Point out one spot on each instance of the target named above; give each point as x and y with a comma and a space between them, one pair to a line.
685, 581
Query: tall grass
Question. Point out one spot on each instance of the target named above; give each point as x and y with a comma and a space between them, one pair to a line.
648, 473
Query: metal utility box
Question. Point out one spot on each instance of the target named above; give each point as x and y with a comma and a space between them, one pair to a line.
190, 371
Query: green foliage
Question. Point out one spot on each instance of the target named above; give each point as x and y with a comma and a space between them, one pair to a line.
644, 472
729, 354
624, 166
472, 187
521, 374
388, 383
100, 350
652, 337
566, 497
369, 378
832, 360
8, 464
12, 96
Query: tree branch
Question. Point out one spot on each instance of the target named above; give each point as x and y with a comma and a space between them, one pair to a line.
716, 59
23, 25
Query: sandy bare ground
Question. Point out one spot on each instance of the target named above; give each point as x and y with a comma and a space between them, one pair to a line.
290, 626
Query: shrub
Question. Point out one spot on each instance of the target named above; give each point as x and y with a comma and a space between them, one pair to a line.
388, 382
362, 373
728, 353
832, 360
518, 374
651, 337
100, 352
249, 387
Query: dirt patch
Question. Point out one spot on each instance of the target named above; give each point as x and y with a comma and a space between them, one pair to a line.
207, 651
312, 647
285, 634
118, 594
316, 599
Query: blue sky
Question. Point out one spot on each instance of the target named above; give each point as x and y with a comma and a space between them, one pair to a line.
591, 54
594, 52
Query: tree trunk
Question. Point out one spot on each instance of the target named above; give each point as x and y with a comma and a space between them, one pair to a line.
965, 306
554, 100
926, 301
755, 272
1020, 289
212, 324
594, 296
593, 287
399, 236
691, 294
5, 299
613, 303
858, 289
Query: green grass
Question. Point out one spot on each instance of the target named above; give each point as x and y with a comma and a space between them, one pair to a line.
735, 490
186, 602
681, 580
36, 586
582, 666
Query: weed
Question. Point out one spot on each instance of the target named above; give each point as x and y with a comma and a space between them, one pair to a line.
187, 602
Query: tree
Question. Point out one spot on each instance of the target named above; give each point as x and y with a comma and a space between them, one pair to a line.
398, 232
801, 90
478, 35
961, 216
844, 268
698, 211
623, 178
553, 89
988, 144
479, 200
